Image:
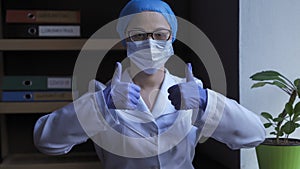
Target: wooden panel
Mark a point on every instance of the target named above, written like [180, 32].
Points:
[38, 161]
[30, 107]
[58, 44]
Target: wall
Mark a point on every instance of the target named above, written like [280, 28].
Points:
[269, 39]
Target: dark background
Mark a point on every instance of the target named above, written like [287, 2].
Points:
[217, 19]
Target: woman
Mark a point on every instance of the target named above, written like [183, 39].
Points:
[146, 117]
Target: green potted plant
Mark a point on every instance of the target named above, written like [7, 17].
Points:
[280, 151]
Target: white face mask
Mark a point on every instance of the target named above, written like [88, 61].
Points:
[149, 55]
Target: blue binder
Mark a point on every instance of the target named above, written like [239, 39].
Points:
[30, 96]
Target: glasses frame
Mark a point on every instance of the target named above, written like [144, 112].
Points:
[148, 33]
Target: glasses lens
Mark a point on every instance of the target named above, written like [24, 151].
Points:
[137, 35]
[161, 35]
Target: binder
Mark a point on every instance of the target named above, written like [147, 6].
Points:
[43, 16]
[36, 83]
[40, 31]
[31, 96]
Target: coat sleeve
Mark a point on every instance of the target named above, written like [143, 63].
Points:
[229, 122]
[56, 133]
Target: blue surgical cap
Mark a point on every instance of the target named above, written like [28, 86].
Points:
[137, 6]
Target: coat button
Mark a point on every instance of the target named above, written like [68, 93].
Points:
[152, 135]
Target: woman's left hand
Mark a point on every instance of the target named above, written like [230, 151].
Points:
[188, 95]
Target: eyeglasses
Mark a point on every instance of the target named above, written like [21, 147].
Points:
[139, 35]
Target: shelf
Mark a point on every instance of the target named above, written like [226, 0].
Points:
[82, 160]
[30, 107]
[58, 44]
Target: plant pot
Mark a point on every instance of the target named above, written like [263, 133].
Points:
[278, 156]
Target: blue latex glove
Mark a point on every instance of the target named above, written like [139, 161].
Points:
[121, 95]
[188, 95]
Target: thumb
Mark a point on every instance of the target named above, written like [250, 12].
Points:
[118, 73]
[189, 73]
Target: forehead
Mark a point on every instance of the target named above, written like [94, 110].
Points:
[148, 21]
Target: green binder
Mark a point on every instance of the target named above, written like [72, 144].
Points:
[35, 83]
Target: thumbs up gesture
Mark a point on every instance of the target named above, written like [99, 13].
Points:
[121, 95]
[188, 95]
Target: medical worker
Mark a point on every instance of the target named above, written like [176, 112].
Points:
[145, 117]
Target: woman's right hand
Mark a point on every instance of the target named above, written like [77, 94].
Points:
[121, 95]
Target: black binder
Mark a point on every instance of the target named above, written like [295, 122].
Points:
[41, 31]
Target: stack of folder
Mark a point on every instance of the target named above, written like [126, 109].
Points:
[36, 88]
[42, 24]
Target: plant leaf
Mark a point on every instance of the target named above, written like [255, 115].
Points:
[267, 115]
[274, 83]
[265, 75]
[278, 119]
[296, 112]
[267, 125]
[259, 84]
[270, 75]
[289, 127]
[297, 125]
[296, 119]
[297, 108]
[289, 109]
[273, 133]
[297, 82]
[278, 84]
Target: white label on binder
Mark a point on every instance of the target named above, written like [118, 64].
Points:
[59, 83]
[59, 31]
